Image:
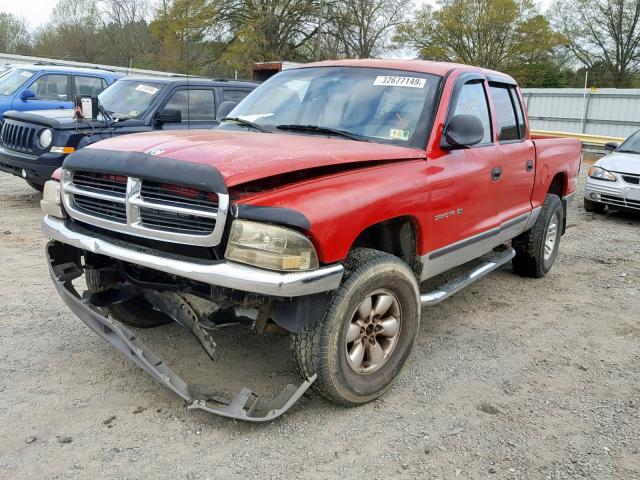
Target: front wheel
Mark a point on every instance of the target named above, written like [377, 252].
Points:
[537, 248]
[368, 332]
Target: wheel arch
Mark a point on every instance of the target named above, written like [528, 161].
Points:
[398, 236]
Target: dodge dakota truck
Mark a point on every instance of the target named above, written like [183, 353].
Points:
[317, 208]
[34, 144]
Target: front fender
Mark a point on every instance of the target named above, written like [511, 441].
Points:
[339, 207]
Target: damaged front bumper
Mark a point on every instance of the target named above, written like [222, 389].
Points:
[244, 405]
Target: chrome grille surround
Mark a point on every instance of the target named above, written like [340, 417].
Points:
[133, 203]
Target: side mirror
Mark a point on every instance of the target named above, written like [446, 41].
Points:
[462, 131]
[169, 115]
[27, 94]
[610, 146]
[224, 109]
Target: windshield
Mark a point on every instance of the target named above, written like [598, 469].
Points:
[373, 104]
[631, 144]
[128, 98]
[11, 81]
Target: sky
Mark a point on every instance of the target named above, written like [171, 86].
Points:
[35, 11]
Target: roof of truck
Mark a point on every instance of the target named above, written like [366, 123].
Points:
[422, 66]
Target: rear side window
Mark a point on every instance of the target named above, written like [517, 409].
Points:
[473, 101]
[234, 95]
[195, 105]
[522, 128]
[51, 87]
[510, 127]
[89, 85]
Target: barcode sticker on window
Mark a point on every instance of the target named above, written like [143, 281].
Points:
[147, 89]
[392, 81]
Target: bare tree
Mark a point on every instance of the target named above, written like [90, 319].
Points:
[14, 35]
[602, 34]
[363, 28]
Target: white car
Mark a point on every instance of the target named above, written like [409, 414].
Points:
[615, 179]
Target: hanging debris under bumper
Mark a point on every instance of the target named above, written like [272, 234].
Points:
[244, 405]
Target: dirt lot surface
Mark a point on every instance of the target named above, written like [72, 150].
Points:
[512, 378]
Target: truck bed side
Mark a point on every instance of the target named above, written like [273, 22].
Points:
[557, 159]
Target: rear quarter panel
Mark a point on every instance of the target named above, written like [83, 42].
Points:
[555, 156]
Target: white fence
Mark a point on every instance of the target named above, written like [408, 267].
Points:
[606, 111]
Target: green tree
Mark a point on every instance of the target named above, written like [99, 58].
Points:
[498, 34]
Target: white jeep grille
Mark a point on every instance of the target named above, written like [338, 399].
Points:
[146, 208]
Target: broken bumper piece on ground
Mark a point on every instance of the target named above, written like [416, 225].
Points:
[244, 405]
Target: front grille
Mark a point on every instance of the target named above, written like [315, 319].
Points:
[17, 137]
[105, 209]
[101, 182]
[176, 222]
[619, 202]
[632, 179]
[180, 196]
[150, 209]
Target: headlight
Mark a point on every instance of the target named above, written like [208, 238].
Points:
[45, 138]
[271, 247]
[601, 174]
[50, 203]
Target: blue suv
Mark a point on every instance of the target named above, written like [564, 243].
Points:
[46, 87]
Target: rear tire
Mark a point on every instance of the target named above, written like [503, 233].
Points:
[376, 313]
[537, 248]
[594, 207]
[136, 312]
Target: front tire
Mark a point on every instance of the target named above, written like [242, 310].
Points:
[594, 207]
[136, 312]
[537, 248]
[368, 332]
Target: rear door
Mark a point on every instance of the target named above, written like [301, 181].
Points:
[88, 85]
[197, 105]
[517, 154]
[52, 90]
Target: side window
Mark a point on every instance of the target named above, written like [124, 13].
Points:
[51, 87]
[473, 101]
[505, 113]
[88, 85]
[234, 95]
[195, 105]
[522, 128]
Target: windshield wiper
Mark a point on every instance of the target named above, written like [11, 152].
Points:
[248, 123]
[319, 129]
[627, 151]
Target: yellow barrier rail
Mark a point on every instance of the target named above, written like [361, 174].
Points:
[586, 139]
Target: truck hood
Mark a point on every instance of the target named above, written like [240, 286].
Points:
[621, 162]
[246, 156]
[60, 119]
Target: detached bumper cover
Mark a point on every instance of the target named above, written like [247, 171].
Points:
[223, 274]
[243, 405]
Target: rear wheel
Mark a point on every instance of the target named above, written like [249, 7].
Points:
[537, 248]
[595, 207]
[368, 332]
[136, 312]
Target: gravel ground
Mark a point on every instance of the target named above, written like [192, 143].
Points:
[512, 378]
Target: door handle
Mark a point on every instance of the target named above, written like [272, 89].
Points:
[496, 173]
[529, 165]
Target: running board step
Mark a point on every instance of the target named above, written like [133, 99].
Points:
[491, 261]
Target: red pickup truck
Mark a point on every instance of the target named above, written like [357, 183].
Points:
[317, 208]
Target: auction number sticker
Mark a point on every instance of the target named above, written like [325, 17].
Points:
[393, 81]
[147, 89]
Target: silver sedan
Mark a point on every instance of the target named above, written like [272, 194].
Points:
[615, 179]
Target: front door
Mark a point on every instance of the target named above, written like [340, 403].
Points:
[462, 207]
[197, 105]
[52, 90]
